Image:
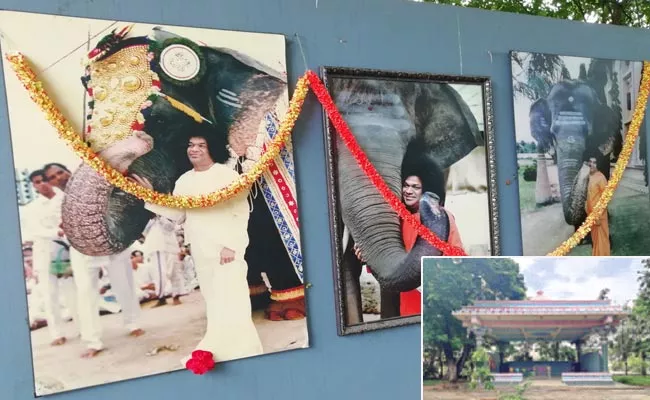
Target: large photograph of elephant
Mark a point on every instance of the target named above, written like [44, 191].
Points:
[119, 288]
[572, 115]
[431, 139]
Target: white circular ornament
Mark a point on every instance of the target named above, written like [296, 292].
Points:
[180, 62]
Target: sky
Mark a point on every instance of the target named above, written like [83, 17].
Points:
[581, 278]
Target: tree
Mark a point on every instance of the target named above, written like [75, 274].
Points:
[625, 341]
[635, 13]
[449, 285]
[641, 315]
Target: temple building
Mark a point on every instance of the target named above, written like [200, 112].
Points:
[544, 320]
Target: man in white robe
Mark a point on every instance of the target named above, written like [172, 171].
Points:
[219, 237]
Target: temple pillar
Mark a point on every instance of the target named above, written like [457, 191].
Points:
[501, 350]
[578, 344]
[603, 350]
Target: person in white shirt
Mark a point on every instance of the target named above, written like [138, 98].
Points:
[43, 229]
[219, 238]
[86, 277]
[144, 277]
[161, 250]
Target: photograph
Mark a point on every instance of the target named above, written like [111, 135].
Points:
[535, 328]
[572, 116]
[117, 287]
[431, 140]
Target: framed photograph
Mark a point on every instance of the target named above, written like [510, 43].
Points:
[431, 139]
[118, 288]
[572, 115]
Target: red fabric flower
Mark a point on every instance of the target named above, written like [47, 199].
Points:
[201, 362]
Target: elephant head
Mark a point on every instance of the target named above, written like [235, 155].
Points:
[148, 95]
[573, 123]
[405, 128]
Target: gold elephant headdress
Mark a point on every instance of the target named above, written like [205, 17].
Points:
[122, 80]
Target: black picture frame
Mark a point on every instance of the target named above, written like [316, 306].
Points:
[328, 73]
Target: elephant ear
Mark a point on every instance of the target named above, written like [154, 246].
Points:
[240, 92]
[540, 125]
[444, 123]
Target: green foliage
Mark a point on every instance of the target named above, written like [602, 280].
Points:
[555, 351]
[635, 13]
[449, 284]
[633, 380]
[520, 390]
[526, 147]
[481, 373]
[530, 173]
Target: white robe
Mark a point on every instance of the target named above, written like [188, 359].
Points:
[231, 333]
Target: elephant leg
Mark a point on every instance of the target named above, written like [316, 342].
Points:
[266, 253]
[351, 273]
[389, 304]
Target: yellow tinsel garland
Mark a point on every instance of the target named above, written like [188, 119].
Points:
[38, 94]
[621, 164]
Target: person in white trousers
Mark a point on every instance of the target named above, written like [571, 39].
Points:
[161, 250]
[43, 228]
[86, 274]
[85, 271]
[219, 237]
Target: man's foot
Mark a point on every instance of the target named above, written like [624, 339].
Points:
[161, 302]
[90, 353]
[38, 324]
[136, 332]
[177, 301]
[58, 342]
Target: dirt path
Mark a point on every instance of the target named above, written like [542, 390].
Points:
[618, 392]
[61, 368]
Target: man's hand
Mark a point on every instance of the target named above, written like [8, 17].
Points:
[227, 255]
[357, 252]
[144, 182]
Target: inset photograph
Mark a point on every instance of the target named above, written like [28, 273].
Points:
[535, 328]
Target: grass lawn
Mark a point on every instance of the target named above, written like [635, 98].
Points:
[432, 382]
[633, 380]
[628, 227]
[526, 193]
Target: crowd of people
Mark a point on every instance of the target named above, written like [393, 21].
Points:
[63, 284]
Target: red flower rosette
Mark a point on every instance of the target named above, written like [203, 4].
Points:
[201, 362]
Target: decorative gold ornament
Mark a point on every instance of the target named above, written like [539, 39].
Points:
[126, 88]
[38, 94]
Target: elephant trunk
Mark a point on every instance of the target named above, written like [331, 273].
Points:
[571, 132]
[99, 219]
[376, 228]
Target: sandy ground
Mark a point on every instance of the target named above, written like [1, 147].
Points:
[548, 390]
[61, 368]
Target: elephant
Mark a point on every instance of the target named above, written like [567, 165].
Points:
[149, 95]
[574, 123]
[395, 123]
